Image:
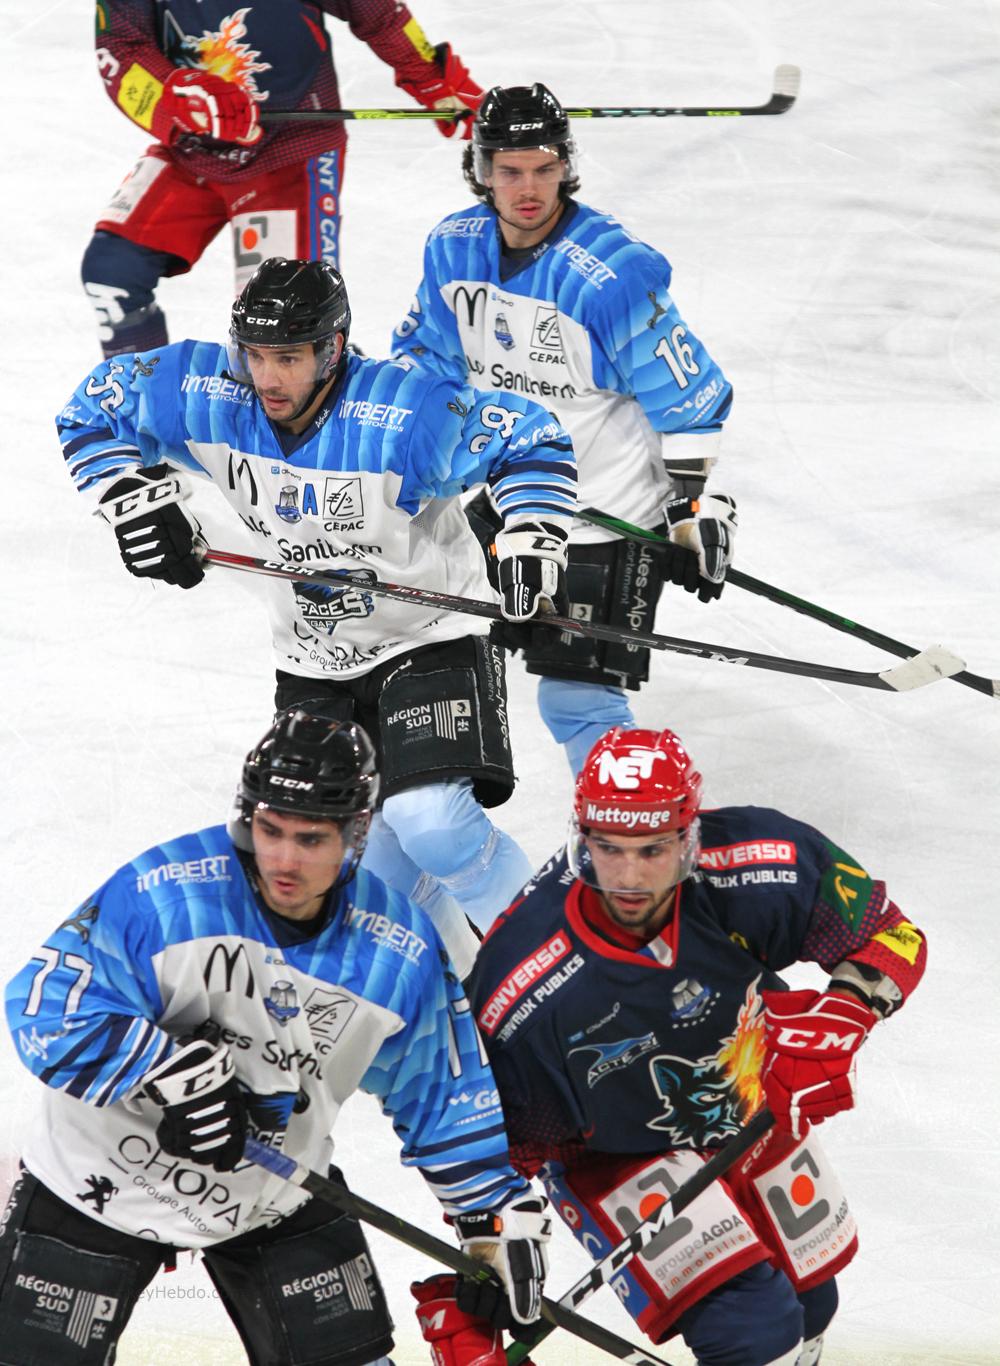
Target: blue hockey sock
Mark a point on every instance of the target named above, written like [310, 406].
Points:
[578, 714]
[445, 831]
[385, 858]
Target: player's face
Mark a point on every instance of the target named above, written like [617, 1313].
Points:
[298, 859]
[525, 189]
[636, 875]
[284, 377]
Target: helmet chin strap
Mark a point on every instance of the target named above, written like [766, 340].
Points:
[311, 397]
[320, 384]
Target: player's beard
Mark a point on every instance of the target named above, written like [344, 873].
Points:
[643, 922]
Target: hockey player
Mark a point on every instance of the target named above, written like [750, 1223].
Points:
[533, 292]
[197, 75]
[338, 461]
[633, 1011]
[245, 980]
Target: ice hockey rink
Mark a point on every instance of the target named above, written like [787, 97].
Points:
[842, 264]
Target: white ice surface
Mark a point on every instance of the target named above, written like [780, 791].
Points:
[843, 264]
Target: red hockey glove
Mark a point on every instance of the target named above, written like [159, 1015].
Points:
[196, 101]
[811, 1039]
[448, 87]
[456, 1338]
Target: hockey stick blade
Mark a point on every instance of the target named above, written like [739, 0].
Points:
[323, 1188]
[787, 79]
[449, 602]
[602, 1272]
[978, 682]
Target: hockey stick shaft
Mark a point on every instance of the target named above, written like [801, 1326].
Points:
[338, 1195]
[925, 668]
[602, 1272]
[783, 95]
[990, 686]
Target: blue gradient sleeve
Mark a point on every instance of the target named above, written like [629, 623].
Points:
[139, 410]
[435, 1084]
[643, 347]
[467, 436]
[81, 1011]
[427, 337]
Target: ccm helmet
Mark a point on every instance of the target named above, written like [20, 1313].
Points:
[518, 118]
[636, 782]
[310, 766]
[285, 303]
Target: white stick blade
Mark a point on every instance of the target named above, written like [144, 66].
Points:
[927, 667]
[787, 79]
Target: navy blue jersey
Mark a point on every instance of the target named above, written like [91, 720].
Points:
[600, 1041]
[279, 52]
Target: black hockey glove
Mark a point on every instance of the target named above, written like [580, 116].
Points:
[531, 570]
[157, 538]
[511, 1241]
[702, 533]
[204, 1114]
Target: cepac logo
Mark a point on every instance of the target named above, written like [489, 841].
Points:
[627, 771]
[342, 499]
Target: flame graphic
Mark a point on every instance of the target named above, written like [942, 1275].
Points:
[742, 1055]
[224, 55]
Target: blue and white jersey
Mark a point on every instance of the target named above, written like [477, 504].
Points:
[585, 325]
[370, 486]
[176, 938]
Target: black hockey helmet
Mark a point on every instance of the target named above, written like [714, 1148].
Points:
[286, 303]
[309, 765]
[518, 118]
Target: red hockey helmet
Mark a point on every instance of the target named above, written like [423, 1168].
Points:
[636, 782]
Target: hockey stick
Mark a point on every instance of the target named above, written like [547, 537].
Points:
[602, 1272]
[343, 1199]
[926, 667]
[990, 686]
[783, 95]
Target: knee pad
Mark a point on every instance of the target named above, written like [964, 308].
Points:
[577, 714]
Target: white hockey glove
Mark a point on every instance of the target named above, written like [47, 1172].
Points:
[702, 533]
[531, 569]
[204, 1114]
[511, 1241]
[157, 538]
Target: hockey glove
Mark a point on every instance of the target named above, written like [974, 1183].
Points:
[157, 538]
[702, 532]
[456, 1338]
[811, 1040]
[447, 85]
[531, 569]
[197, 101]
[511, 1241]
[204, 1115]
